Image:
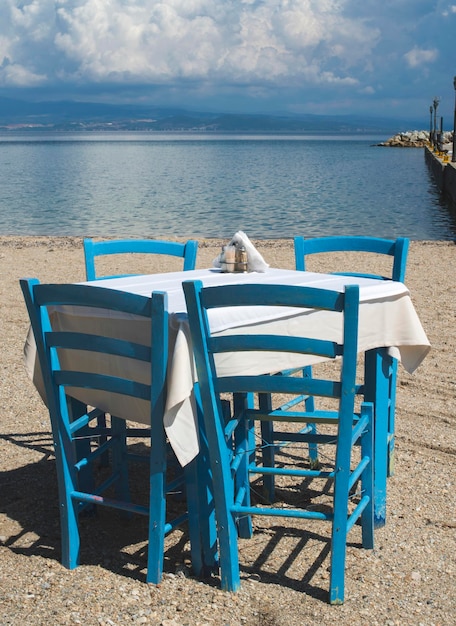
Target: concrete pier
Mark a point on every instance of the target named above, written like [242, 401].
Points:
[444, 173]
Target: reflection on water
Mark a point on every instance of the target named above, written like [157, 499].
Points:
[169, 185]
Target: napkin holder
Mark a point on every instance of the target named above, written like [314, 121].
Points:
[240, 256]
[233, 259]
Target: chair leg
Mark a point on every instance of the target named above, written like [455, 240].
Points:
[309, 403]
[70, 534]
[376, 389]
[367, 479]
[267, 446]
[69, 508]
[119, 459]
[221, 495]
[338, 555]
[340, 519]
[195, 521]
[244, 440]
[201, 492]
[227, 530]
[391, 418]
[157, 506]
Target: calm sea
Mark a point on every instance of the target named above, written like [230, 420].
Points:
[131, 184]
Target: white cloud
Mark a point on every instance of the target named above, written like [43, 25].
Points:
[418, 57]
[331, 79]
[451, 9]
[159, 41]
[13, 74]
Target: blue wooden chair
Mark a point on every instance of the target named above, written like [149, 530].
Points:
[77, 435]
[397, 249]
[231, 446]
[92, 249]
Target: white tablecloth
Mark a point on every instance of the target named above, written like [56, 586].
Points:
[387, 319]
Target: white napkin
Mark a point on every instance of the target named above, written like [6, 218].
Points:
[255, 262]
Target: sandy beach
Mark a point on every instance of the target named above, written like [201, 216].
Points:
[408, 579]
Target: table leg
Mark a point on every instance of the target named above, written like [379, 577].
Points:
[376, 389]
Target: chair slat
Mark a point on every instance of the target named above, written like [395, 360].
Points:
[86, 296]
[102, 382]
[397, 249]
[95, 343]
[272, 343]
[93, 249]
[279, 384]
[277, 296]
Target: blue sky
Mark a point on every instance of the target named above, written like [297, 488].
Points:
[384, 58]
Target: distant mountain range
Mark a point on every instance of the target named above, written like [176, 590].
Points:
[85, 116]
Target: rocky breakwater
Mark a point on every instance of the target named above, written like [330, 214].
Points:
[409, 139]
[415, 139]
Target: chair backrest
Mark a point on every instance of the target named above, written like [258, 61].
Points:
[56, 348]
[201, 301]
[397, 249]
[187, 251]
